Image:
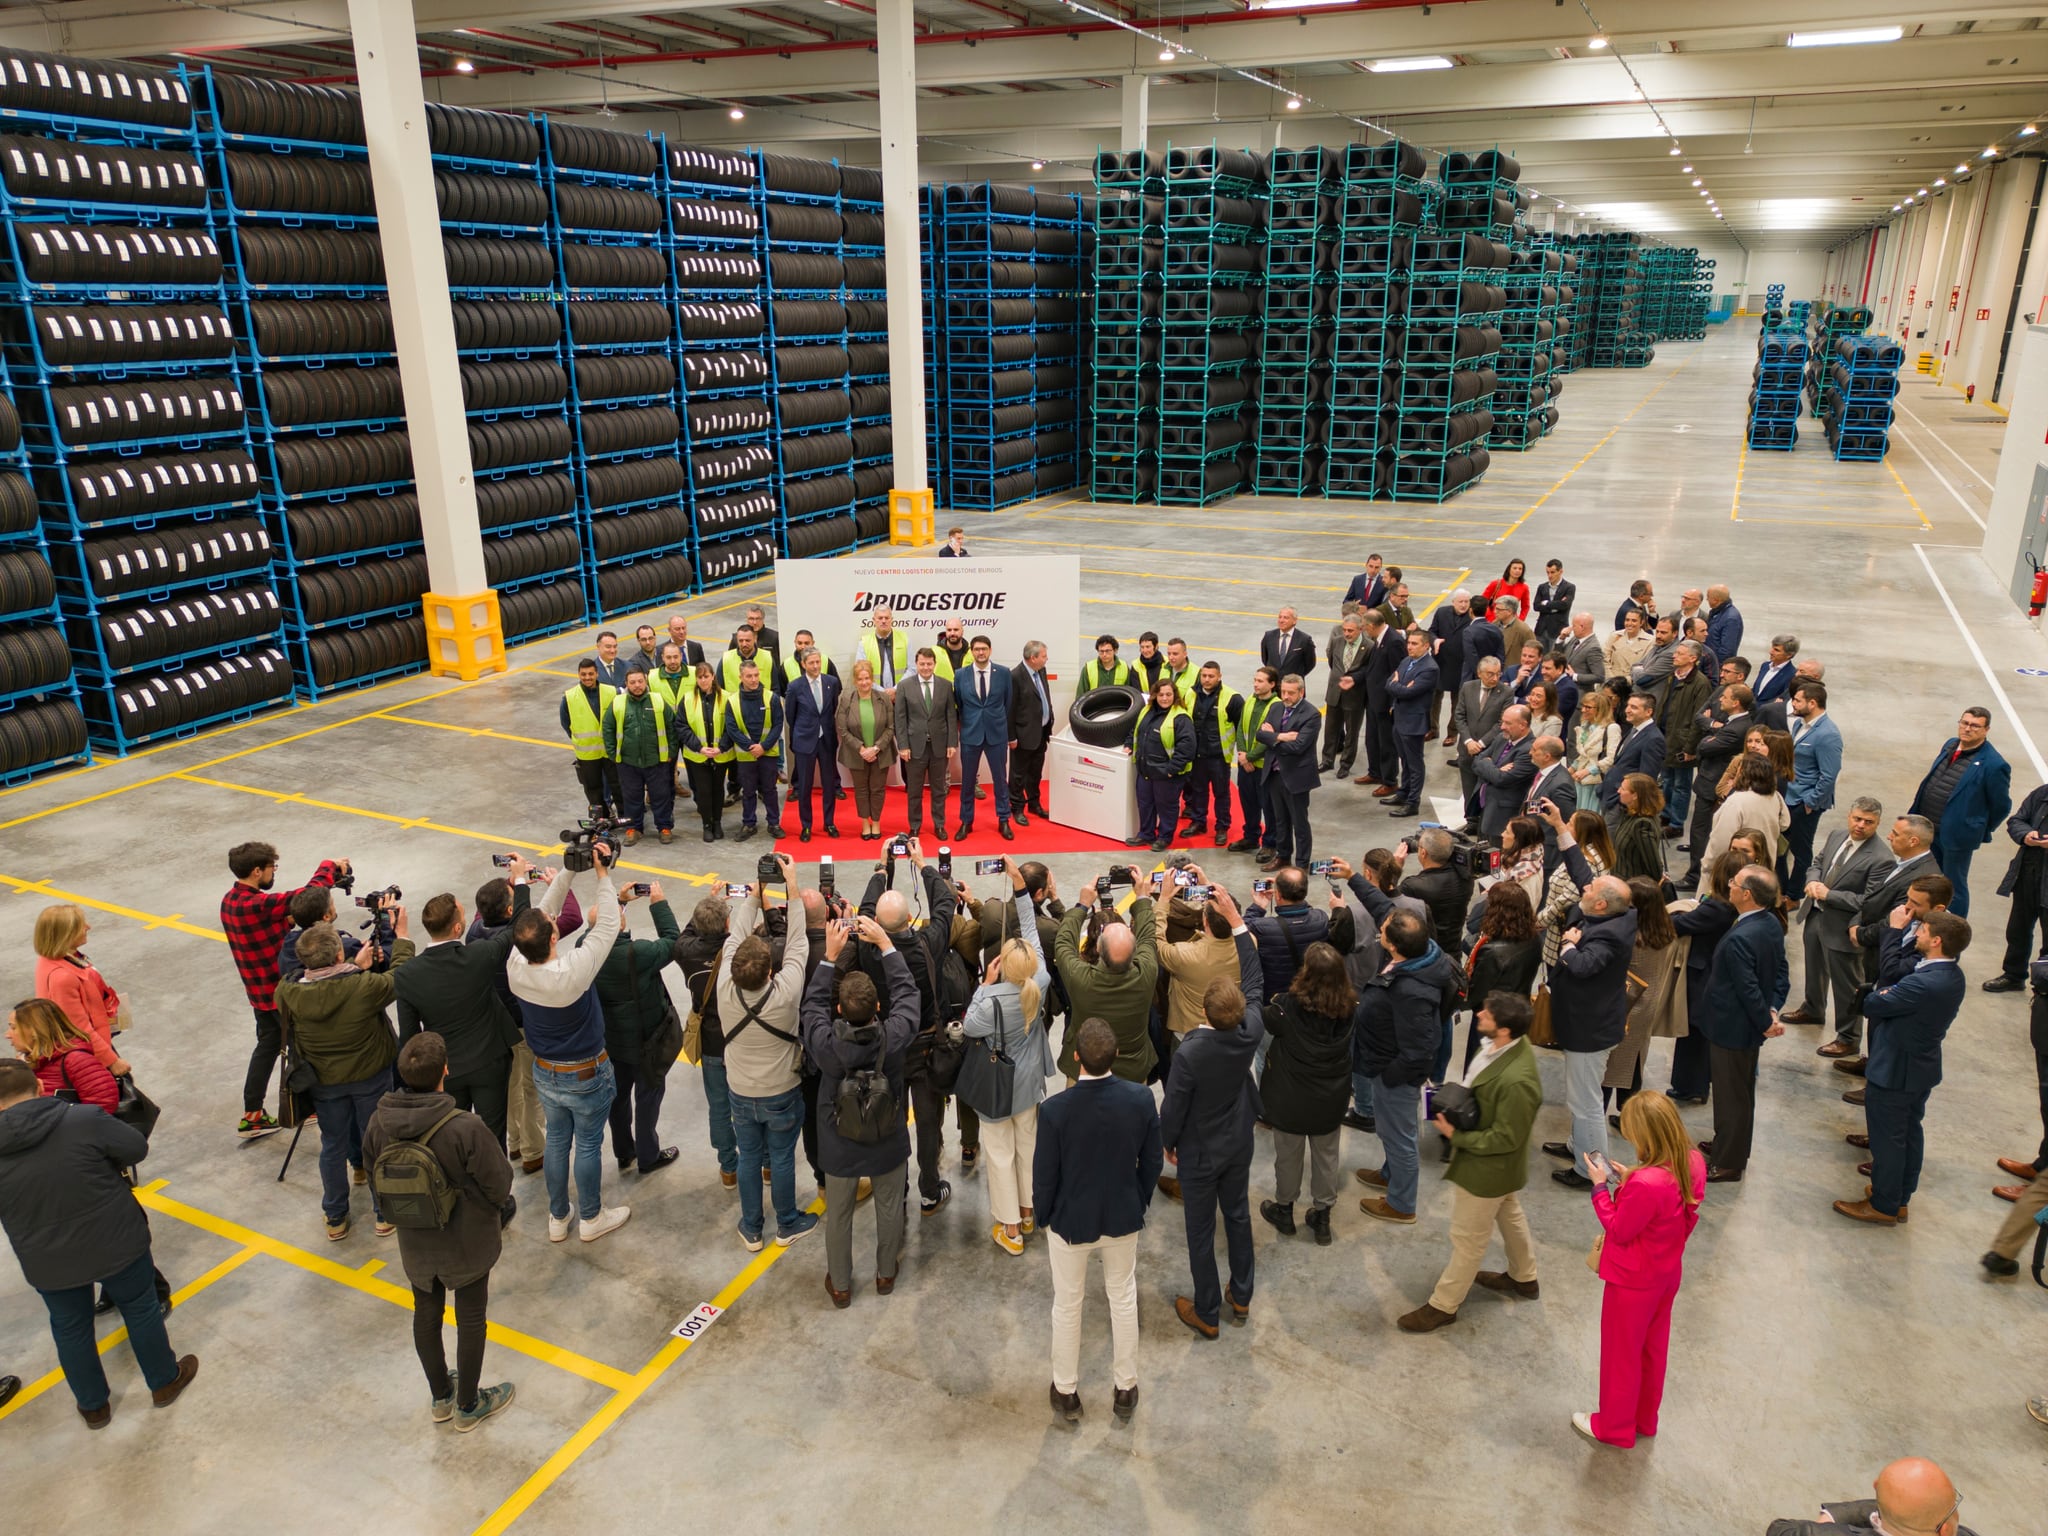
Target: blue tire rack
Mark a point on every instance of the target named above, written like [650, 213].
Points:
[1298, 327]
[42, 723]
[867, 365]
[1774, 394]
[1125, 340]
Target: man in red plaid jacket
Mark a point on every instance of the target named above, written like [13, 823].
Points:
[255, 919]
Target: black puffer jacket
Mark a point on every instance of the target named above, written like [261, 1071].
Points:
[1400, 1018]
[1307, 1085]
[67, 1208]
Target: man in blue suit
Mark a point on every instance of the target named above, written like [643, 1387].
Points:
[1739, 1011]
[1093, 1173]
[1724, 624]
[1908, 1020]
[1410, 689]
[1774, 679]
[981, 694]
[1288, 735]
[1967, 794]
[1368, 588]
[1816, 764]
[1641, 751]
[809, 703]
[1206, 1129]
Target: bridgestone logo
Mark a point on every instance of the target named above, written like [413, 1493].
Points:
[926, 602]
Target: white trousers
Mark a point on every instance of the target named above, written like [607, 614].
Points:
[1007, 1147]
[1069, 1280]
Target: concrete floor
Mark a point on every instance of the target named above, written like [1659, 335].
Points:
[1807, 1351]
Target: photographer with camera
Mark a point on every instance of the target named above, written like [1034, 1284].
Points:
[1489, 1162]
[457, 991]
[309, 907]
[1116, 985]
[641, 1033]
[256, 920]
[340, 1037]
[449, 1227]
[572, 1075]
[858, 1050]
[760, 1007]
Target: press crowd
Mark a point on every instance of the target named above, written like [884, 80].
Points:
[1125, 1043]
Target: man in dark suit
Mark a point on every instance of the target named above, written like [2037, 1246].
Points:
[679, 634]
[1912, 844]
[1288, 647]
[981, 693]
[1745, 990]
[927, 740]
[1475, 715]
[1774, 679]
[455, 990]
[1031, 727]
[792, 669]
[1092, 1175]
[1206, 1128]
[1552, 603]
[1852, 857]
[1501, 764]
[1289, 738]
[1908, 1021]
[1483, 638]
[1553, 782]
[1718, 736]
[1368, 588]
[1387, 646]
[1409, 692]
[1967, 794]
[810, 703]
[1641, 751]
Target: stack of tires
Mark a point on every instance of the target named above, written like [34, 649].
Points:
[40, 721]
[807, 325]
[867, 354]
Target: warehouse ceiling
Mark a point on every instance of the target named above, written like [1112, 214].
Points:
[1793, 144]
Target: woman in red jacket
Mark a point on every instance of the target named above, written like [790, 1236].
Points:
[1646, 1221]
[68, 979]
[1513, 583]
[60, 1053]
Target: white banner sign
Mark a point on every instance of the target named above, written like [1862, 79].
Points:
[1009, 599]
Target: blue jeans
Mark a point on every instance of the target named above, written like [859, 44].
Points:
[579, 1108]
[1396, 1110]
[133, 1290]
[1677, 788]
[771, 1125]
[1955, 863]
[344, 1110]
[720, 1103]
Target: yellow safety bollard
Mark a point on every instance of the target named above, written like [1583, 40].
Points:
[913, 519]
[465, 635]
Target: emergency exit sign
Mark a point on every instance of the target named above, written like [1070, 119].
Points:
[1983, 314]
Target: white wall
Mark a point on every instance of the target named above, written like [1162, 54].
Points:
[1799, 270]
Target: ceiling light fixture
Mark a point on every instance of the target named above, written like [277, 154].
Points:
[1596, 42]
[1038, 165]
[464, 67]
[1696, 181]
[1166, 55]
[736, 114]
[1990, 152]
[1685, 170]
[1845, 35]
[1940, 181]
[1403, 66]
[1294, 103]
[2029, 131]
[1676, 150]
[1963, 169]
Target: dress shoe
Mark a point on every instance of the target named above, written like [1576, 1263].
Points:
[1799, 1016]
[840, 1299]
[1020, 818]
[830, 830]
[1863, 1169]
[1067, 1405]
[1425, 1319]
[1278, 1216]
[1614, 1122]
[1403, 810]
[1363, 778]
[1706, 1147]
[1193, 828]
[1905, 1211]
[167, 1394]
[2009, 1192]
[1125, 1403]
[1499, 1280]
[1240, 1311]
[1689, 1098]
[1385, 790]
[1858, 1139]
[1326, 767]
[1571, 1178]
[1003, 831]
[1242, 845]
[1184, 1309]
[666, 1156]
[2005, 984]
[1162, 845]
[1835, 1048]
[530, 1165]
[885, 1284]
[1999, 1264]
[1169, 1186]
[1371, 1178]
[1863, 1210]
[1672, 834]
[1359, 1122]
[1854, 1068]
[97, 1418]
[1220, 839]
[1137, 842]
[2024, 1172]
[1853, 1096]
[1560, 1149]
[1723, 1176]
[804, 835]
[1383, 1211]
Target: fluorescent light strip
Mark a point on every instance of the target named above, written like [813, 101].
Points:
[1845, 36]
[1404, 66]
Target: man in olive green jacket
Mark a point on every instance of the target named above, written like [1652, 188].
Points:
[1114, 985]
[1489, 1166]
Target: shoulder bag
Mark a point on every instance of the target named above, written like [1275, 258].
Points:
[987, 1083]
[1541, 1031]
[693, 1032]
[134, 1107]
[660, 1045]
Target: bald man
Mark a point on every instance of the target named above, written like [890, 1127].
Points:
[1914, 1498]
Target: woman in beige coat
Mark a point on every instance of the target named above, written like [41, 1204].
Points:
[1659, 1012]
[867, 746]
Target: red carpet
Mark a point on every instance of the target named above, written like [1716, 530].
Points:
[1040, 838]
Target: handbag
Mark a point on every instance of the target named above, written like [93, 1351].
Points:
[136, 1108]
[988, 1075]
[1457, 1104]
[693, 1032]
[1541, 1031]
[1634, 988]
[660, 1046]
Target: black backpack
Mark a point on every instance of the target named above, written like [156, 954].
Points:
[412, 1188]
[864, 1110]
[956, 987]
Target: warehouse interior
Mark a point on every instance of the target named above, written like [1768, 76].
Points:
[365, 360]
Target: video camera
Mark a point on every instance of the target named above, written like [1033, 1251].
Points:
[577, 854]
[379, 904]
[1120, 874]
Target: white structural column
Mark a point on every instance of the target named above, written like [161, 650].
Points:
[895, 60]
[409, 228]
[2017, 527]
[1137, 110]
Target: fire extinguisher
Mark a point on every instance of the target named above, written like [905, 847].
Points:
[2039, 599]
[1969, 394]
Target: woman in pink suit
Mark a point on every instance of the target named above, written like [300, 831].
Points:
[1646, 1220]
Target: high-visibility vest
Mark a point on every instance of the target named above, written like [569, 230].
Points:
[1255, 711]
[1183, 680]
[901, 657]
[1226, 728]
[770, 705]
[729, 668]
[705, 726]
[1165, 729]
[1092, 676]
[586, 729]
[672, 690]
[662, 716]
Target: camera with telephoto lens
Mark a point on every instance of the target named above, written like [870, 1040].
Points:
[577, 855]
[768, 871]
[379, 904]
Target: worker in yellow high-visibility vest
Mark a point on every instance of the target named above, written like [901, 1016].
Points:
[699, 719]
[583, 709]
[893, 654]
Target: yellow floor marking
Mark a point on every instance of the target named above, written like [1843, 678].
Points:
[1443, 596]
[627, 1395]
[476, 730]
[1908, 494]
[383, 1290]
[43, 1383]
[148, 919]
[1535, 505]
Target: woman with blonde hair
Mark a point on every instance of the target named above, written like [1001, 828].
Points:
[867, 746]
[1645, 1218]
[60, 1053]
[68, 979]
[1007, 1010]
[1598, 739]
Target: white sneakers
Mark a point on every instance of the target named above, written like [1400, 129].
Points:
[608, 1219]
[558, 1227]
